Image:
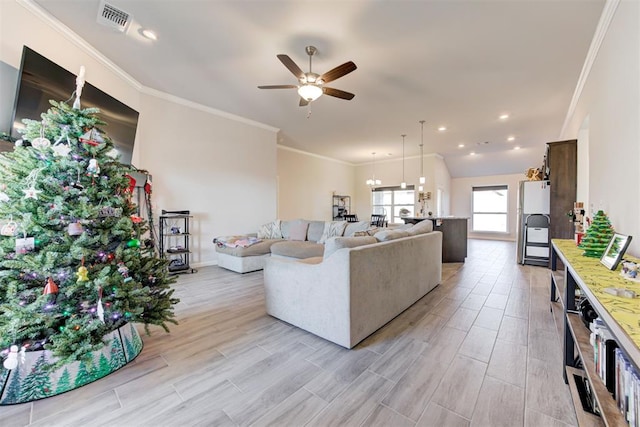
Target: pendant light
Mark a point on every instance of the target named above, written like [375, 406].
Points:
[403, 184]
[373, 181]
[422, 178]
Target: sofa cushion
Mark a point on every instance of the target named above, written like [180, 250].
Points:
[332, 229]
[314, 233]
[296, 249]
[386, 235]
[425, 226]
[298, 230]
[270, 230]
[352, 227]
[335, 243]
[261, 248]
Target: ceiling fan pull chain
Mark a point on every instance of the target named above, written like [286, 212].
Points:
[309, 111]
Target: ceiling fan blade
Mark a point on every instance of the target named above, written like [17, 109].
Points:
[278, 87]
[337, 93]
[303, 102]
[339, 71]
[288, 62]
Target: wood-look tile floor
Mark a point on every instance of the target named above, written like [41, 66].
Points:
[479, 350]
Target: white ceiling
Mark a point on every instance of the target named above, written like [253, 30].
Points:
[454, 63]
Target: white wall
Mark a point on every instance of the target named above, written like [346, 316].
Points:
[611, 101]
[306, 183]
[220, 167]
[461, 190]
[223, 171]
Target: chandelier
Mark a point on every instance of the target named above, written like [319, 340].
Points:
[371, 182]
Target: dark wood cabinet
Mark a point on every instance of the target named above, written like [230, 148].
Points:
[561, 168]
[454, 236]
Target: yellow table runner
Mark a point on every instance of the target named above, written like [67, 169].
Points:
[625, 311]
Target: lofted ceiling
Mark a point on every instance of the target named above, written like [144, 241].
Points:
[459, 64]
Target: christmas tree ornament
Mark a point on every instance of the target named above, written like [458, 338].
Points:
[108, 211]
[100, 308]
[50, 287]
[11, 362]
[132, 183]
[83, 274]
[61, 150]
[124, 271]
[136, 219]
[133, 243]
[9, 229]
[4, 197]
[41, 142]
[19, 143]
[30, 181]
[75, 229]
[92, 137]
[79, 85]
[93, 169]
[25, 245]
[147, 186]
[31, 193]
[113, 153]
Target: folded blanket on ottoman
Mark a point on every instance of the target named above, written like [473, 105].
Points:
[236, 241]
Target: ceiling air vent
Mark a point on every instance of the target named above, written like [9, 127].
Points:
[113, 17]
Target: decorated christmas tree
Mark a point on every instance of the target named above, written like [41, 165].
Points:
[74, 261]
[598, 235]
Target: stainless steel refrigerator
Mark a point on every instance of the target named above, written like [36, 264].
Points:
[533, 222]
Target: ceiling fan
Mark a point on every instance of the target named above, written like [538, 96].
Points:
[311, 84]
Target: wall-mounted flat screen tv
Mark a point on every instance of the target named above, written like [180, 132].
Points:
[41, 80]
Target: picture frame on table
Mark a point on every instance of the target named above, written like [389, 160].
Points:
[615, 250]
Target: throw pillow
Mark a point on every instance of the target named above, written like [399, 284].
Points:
[270, 230]
[386, 235]
[335, 243]
[425, 226]
[298, 231]
[332, 229]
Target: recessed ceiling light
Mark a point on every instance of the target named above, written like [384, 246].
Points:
[517, 147]
[504, 117]
[511, 138]
[460, 145]
[442, 128]
[149, 34]
[473, 153]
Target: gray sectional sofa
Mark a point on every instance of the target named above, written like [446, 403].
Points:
[252, 258]
[350, 292]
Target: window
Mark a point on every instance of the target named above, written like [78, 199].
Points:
[490, 208]
[393, 201]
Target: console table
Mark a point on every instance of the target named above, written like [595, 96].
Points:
[621, 316]
[454, 236]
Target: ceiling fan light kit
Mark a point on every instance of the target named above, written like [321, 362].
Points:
[311, 85]
[310, 92]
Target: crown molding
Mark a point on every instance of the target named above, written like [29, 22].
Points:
[196, 106]
[74, 38]
[601, 31]
[317, 156]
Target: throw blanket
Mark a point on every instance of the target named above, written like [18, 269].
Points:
[236, 241]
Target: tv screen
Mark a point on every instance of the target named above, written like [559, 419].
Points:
[41, 80]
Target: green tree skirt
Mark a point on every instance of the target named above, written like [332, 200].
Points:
[32, 381]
